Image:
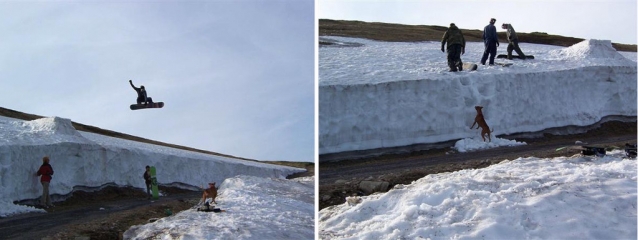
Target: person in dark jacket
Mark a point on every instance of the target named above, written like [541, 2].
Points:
[45, 171]
[455, 47]
[491, 42]
[142, 97]
[513, 42]
[147, 179]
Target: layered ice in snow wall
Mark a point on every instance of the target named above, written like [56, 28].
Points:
[93, 160]
[396, 94]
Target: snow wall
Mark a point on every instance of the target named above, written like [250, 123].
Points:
[401, 113]
[92, 160]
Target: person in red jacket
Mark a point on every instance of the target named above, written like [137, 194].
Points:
[45, 171]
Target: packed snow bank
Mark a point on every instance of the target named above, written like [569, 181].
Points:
[601, 49]
[92, 160]
[256, 208]
[527, 198]
[8, 208]
[397, 94]
[39, 132]
[477, 143]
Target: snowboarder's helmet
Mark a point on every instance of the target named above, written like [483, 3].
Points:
[142, 87]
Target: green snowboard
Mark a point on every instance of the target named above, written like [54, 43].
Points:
[154, 184]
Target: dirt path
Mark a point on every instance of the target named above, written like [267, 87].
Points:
[98, 215]
[340, 179]
[105, 214]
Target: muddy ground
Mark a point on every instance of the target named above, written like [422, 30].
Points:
[104, 214]
[339, 179]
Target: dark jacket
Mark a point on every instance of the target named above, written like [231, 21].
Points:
[453, 36]
[489, 34]
[46, 171]
[141, 93]
[147, 177]
[511, 34]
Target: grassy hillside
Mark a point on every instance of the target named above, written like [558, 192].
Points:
[417, 33]
[86, 128]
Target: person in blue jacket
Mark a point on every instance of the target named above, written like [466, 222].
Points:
[491, 42]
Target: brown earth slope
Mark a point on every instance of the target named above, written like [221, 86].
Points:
[416, 33]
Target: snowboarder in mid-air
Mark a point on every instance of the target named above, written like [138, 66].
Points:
[143, 101]
[142, 98]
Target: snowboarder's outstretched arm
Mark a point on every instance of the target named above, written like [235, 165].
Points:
[131, 82]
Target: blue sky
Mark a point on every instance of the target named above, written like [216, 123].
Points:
[613, 20]
[237, 77]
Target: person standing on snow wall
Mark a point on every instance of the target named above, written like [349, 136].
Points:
[45, 171]
[147, 179]
[491, 42]
[455, 47]
[513, 42]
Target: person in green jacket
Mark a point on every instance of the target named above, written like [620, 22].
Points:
[513, 42]
[455, 47]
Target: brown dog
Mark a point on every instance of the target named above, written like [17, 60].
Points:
[480, 120]
[210, 192]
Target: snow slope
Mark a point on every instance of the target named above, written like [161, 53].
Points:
[527, 198]
[82, 159]
[256, 208]
[396, 94]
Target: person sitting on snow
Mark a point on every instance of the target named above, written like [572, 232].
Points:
[209, 208]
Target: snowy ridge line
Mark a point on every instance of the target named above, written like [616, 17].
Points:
[39, 132]
[402, 113]
[378, 62]
[12, 115]
[464, 76]
[93, 160]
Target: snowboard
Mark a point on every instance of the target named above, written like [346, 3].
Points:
[515, 56]
[469, 67]
[586, 150]
[142, 106]
[503, 64]
[593, 151]
[154, 189]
